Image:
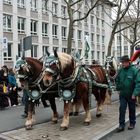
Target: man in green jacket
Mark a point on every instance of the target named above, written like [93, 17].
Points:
[128, 86]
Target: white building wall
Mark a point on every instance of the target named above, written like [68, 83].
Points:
[50, 41]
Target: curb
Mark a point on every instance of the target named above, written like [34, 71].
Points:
[112, 129]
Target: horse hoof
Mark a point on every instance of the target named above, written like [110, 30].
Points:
[98, 115]
[76, 113]
[29, 127]
[71, 114]
[54, 122]
[63, 128]
[86, 123]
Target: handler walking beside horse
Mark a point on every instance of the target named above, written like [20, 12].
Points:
[128, 85]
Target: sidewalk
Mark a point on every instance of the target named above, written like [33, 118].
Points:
[98, 128]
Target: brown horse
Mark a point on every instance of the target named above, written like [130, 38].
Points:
[29, 70]
[75, 83]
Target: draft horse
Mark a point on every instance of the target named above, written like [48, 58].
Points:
[29, 71]
[75, 82]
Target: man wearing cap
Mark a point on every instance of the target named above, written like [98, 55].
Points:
[128, 86]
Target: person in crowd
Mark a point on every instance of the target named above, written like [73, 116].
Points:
[4, 75]
[12, 87]
[25, 102]
[128, 87]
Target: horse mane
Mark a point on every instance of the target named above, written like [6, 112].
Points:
[65, 59]
[114, 61]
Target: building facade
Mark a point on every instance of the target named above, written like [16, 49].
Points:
[39, 19]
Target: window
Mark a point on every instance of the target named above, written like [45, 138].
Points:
[92, 55]
[54, 31]
[92, 20]
[7, 22]
[103, 24]
[7, 1]
[97, 22]
[85, 20]
[54, 8]
[79, 34]
[63, 11]
[92, 37]
[103, 39]
[98, 39]
[33, 27]
[64, 50]
[44, 6]
[8, 54]
[45, 50]
[73, 34]
[21, 3]
[98, 55]
[21, 25]
[64, 32]
[34, 51]
[44, 29]
[34, 5]
[19, 50]
[79, 14]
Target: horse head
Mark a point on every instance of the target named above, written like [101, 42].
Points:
[111, 65]
[57, 66]
[28, 70]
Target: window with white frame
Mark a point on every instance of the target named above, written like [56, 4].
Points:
[79, 32]
[44, 29]
[103, 39]
[64, 50]
[98, 39]
[92, 20]
[54, 8]
[45, 49]
[79, 14]
[21, 3]
[92, 55]
[34, 51]
[64, 30]
[92, 37]
[103, 23]
[63, 11]
[7, 1]
[55, 31]
[44, 6]
[98, 55]
[8, 54]
[97, 22]
[21, 25]
[85, 20]
[34, 5]
[7, 22]
[33, 27]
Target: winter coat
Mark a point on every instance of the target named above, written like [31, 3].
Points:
[128, 81]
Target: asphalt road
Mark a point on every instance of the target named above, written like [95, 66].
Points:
[10, 118]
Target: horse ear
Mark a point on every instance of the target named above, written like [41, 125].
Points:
[23, 57]
[55, 53]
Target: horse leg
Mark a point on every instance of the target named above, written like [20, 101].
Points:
[65, 121]
[53, 107]
[30, 118]
[100, 102]
[87, 110]
[77, 107]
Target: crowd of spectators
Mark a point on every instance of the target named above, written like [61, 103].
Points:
[8, 87]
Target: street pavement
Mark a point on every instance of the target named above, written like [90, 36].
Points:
[98, 128]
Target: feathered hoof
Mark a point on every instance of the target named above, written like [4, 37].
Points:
[54, 122]
[98, 115]
[76, 113]
[63, 128]
[29, 127]
[71, 114]
[86, 123]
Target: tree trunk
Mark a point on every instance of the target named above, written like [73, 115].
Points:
[70, 33]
